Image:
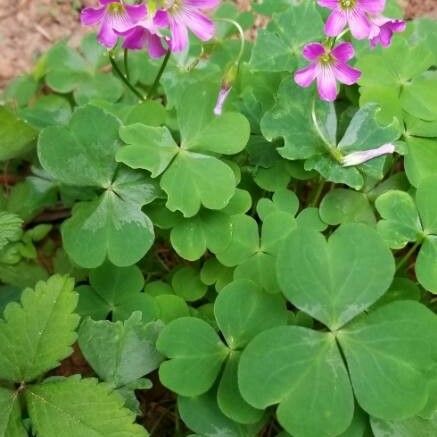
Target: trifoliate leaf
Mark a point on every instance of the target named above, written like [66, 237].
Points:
[37, 333]
[120, 353]
[56, 408]
[116, 291]
[421, 159]
[400, 222]
[196, 356]
[112, 226]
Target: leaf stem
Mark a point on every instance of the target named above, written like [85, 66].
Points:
[317, 193]
[124, 78]
[330, 148]
[407, 256]
[126, 63]
[152, 90]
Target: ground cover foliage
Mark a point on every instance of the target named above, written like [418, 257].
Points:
[195, 239]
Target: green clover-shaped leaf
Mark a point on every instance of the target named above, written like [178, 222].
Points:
[116, 291]
[192, 175]
[278, 47]
[387, 75]
[242, 310]
[335, 280]
[120, 353]
[303, 371]
[67, 70]
[405, 220]
[312, 135]
[113, 225]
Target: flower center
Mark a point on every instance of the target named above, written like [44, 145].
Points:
[347, 4]
[173, 6]
[115, 8]
[326, 58]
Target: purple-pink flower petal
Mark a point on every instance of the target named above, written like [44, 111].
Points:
[359, 24]
[92, 16]
[199, 24]
[179, 36]
[313, 51]
[203, 4]
[335, 23]
[327, 84]
[371, 6]
[221, 99]
[305, 76]
[346, 74]
[343, 52]
[358, 158]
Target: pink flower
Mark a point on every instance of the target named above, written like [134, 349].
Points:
[184, 15]
[146, 34]
[114, 17]
[353, 13]
[358, 158]
[221, 98]
[383, 29]
[327, 66]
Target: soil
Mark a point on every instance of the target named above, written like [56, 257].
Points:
[29, 27]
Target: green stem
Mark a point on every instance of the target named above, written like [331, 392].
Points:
[124, 78]
[318, 193]
[241, 35]
[152, 90]
[126, 63]
[407, 256]
[330, 148]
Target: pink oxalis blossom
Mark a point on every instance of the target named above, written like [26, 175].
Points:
[383, 28]
[327, 66]
[354, 13]
[114, 17]
[185, 15]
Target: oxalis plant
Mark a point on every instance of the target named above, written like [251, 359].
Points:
[220, 223]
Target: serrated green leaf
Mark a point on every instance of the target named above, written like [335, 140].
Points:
[56, 408]
[10, 415]
[10, 228]
[37, 333]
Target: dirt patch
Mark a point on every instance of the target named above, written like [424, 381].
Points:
[29, 27]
